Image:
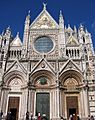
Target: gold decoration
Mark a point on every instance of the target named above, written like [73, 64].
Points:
[44, 22]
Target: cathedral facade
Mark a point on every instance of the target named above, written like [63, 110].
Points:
[52, 71]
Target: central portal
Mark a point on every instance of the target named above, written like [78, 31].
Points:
[43, 104]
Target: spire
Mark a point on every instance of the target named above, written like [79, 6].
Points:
[61, 20]
[2, 33]
[17, 36]
[28, 16]
[86, 31]
[44, 6]
[26, 30]
[27, 21]
[68, 25]
[81, 28]
[75, 29]
[7, 32]
[8, 28]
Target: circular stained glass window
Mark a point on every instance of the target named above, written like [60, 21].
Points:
[43, 44]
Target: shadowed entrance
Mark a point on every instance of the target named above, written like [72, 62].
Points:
[72, 106]
[13, 107]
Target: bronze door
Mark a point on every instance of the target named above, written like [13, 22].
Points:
[72, 106]
[43, 104]
[13, 107]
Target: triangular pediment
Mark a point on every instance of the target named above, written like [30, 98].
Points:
[44, 21]
[70, 65]
[42, 65]
[16, 42]
[72, 41]
[16, 66]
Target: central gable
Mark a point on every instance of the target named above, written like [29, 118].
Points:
[44, 21]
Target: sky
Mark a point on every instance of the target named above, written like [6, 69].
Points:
[75, 12]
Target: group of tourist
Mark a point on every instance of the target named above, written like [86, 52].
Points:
[39, 117]
[29, 116]
[6, 117]
[91, 117]
[74, 117]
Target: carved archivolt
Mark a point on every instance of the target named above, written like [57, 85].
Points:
[71, 83]
[15, 84]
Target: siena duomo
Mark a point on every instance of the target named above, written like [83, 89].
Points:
[52, 71]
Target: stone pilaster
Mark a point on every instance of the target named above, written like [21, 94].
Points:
[85, 102]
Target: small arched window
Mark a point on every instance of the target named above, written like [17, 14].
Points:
[83, 39]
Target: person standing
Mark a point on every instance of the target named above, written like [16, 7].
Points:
[31, 116]
[27, 115]
[78, 118]
[71, 117]
[44, 117]
[92, 118]
[9, 117]
[39, 116]
[1, 114]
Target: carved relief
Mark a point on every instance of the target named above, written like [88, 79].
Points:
[71, 83]
[44, 22]
[15, 84]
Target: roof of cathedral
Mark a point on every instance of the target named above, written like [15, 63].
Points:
[16, 41]
[44, 20]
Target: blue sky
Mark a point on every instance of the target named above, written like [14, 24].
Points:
[13, 13]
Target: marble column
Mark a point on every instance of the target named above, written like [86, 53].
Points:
[31, 101]
[85, 101]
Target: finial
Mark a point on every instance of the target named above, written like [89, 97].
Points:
[17, 33]
[29, 12]
[2, 33]
[28, 16]
[86, 30]
[68, 25]
[81, 25]
[8, 28]
[60, 12]
[44, 4]
[61, 20]
[75, 29]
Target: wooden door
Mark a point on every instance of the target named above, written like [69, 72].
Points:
[72, 106]
[13, 107]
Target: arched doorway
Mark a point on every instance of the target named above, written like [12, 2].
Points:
[71, 97]
[43, 103]
[14, 81]
[70, 93]
[43, 82]
[42, 96]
